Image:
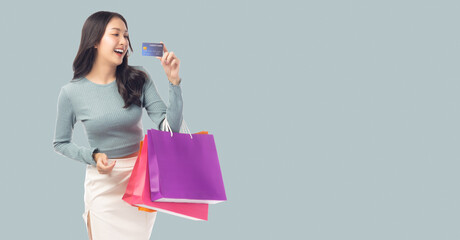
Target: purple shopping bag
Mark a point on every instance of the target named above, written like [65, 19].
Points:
[184, 168]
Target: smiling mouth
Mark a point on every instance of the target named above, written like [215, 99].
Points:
[118, 53]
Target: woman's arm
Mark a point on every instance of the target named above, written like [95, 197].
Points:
[65, 122]
[156, 108]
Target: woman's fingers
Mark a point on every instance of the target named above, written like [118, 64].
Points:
[174, 62]
[103, 165]
[110, 167]
[107, 169]
[170, 63]
[170, 57]
[165, 58]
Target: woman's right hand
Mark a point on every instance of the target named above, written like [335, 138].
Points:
[102, 164]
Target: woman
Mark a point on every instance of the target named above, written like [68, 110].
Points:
[107, 96]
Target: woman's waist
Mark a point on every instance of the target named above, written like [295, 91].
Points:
[123, 162]
[126, 151]
[134, 154]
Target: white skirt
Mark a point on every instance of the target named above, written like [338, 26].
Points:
[112, 218]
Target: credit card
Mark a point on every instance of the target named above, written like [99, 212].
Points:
[152, 49]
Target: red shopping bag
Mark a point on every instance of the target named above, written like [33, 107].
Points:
[138, 193]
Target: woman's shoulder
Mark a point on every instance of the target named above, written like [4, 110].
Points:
[72, 87]
[73, 83]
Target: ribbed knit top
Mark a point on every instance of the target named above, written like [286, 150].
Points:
[110, 128]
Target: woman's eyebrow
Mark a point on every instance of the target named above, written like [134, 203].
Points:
[119, 29]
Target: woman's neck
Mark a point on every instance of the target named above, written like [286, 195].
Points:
[102, 73]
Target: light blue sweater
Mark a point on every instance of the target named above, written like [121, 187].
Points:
[111, 129]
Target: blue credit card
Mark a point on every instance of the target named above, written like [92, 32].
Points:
[152, 49]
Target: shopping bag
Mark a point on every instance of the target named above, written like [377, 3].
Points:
[184, 168]
[138, 193]
[143, 208]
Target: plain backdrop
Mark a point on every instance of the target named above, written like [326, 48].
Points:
[332, 119]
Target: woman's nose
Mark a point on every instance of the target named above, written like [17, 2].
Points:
[124, 41]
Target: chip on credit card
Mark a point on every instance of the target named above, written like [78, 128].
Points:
[152, 49]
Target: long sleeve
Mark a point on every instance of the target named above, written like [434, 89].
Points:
[65, 122]
[156, 108]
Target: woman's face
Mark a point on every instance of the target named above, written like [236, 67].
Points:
[115, 37]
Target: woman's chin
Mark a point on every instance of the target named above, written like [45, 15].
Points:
[117, 62]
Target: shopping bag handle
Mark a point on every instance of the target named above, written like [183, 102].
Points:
[183, 128]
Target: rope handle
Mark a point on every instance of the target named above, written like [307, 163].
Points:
[183, 129]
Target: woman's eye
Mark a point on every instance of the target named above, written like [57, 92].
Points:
[116, 34]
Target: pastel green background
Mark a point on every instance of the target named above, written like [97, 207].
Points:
[332, 119]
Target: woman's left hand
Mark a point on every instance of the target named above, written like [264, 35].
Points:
[170, 63]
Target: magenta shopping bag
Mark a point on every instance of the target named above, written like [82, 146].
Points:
[138, 192]
[184, 168]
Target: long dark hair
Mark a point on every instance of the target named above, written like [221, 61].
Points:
[130, 81]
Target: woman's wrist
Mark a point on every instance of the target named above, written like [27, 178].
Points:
[94, 156]
[175, 81]
[95, 151]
